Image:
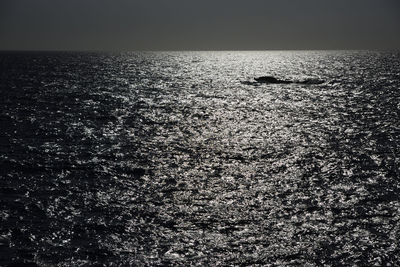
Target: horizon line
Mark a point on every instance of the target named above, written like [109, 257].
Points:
[196, 50]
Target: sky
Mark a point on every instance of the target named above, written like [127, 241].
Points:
[122, 25]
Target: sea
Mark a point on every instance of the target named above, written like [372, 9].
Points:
[183, 158]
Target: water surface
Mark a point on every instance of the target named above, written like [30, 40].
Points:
[172, 158]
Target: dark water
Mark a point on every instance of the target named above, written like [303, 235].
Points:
[172, 158]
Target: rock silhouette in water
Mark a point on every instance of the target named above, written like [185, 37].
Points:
[273, 80]
[270, 79]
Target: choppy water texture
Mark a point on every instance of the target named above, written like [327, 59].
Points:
[173, 158]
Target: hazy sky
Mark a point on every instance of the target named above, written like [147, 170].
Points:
[198, 25]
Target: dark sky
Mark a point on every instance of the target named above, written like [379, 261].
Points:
[199, 25]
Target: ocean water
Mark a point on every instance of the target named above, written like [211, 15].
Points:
[180, 158]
